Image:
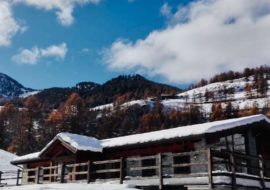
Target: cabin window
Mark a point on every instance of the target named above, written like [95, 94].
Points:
[232, 143]
[179, 160]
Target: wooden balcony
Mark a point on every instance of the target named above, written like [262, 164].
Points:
[206, 169]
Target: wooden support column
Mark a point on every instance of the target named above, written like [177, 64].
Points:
[89, 171]
[37, 175]
[74, 169]
[18, 177]
[232, 163]
[261, 166]
[122, 170]
[210, 169]
[1, 176]
[160, 171]
[62, 177]
[51, 165]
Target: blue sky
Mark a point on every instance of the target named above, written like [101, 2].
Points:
[95, 27]
[63, 42]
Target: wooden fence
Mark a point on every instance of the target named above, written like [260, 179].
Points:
[204, 163]
[10, 177]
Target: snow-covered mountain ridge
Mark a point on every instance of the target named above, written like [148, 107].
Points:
[233, 91]
[10, 88]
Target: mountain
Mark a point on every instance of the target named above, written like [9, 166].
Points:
[10, 88]
[243, 92]
[119, 89]
[125, 88]
[132, 104]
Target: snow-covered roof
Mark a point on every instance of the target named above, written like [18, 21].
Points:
[27, 157]
[179, 132]
[78, 142]
[84, 143]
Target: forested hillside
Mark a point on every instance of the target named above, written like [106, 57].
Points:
[129, 105]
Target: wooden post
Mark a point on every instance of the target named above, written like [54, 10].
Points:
[232, 163]
[18, 177]
[62, 177]
[89, 171]
[122, 170]
[210, 169]
[261, 166]
[1, 176]
[160, 171]
[50, 170]
[37, 175]
[74, 169]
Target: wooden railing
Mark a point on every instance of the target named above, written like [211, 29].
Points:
[238, 165]
[204, 163]
[13, 176]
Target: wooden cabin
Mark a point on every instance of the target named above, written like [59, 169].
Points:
[227, 154]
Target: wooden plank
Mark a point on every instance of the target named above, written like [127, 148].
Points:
[141, 158]
[189, 153]
[261, 165]
[210, 169]
[31, 177]
[62, 176]
[49, 168]
[160, 171]
[107, 162]
[188, 164]
[89, 171]
[143, 168]
[1, 176]
[30, 170]
[122, 170]
[191, 175]
[106, 171]
[50, 175]
[18, 177]
[232, 164]
[37, 175]
[80, 173]
[76, 165]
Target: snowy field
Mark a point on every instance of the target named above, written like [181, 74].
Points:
[82, 186]
[9, 170]
[5, 158]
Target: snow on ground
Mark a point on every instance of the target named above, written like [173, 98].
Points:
[71, 186]
[102, 107]
[26, 94]
[5, 158]
[9, 171]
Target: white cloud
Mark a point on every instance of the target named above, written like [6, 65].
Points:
[63, 8]
[166, 10]
[8, 25]
[202, 39]
[35, 54]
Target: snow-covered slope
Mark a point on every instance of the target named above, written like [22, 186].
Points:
[10, 88]
[207, 95]
[5, 158]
